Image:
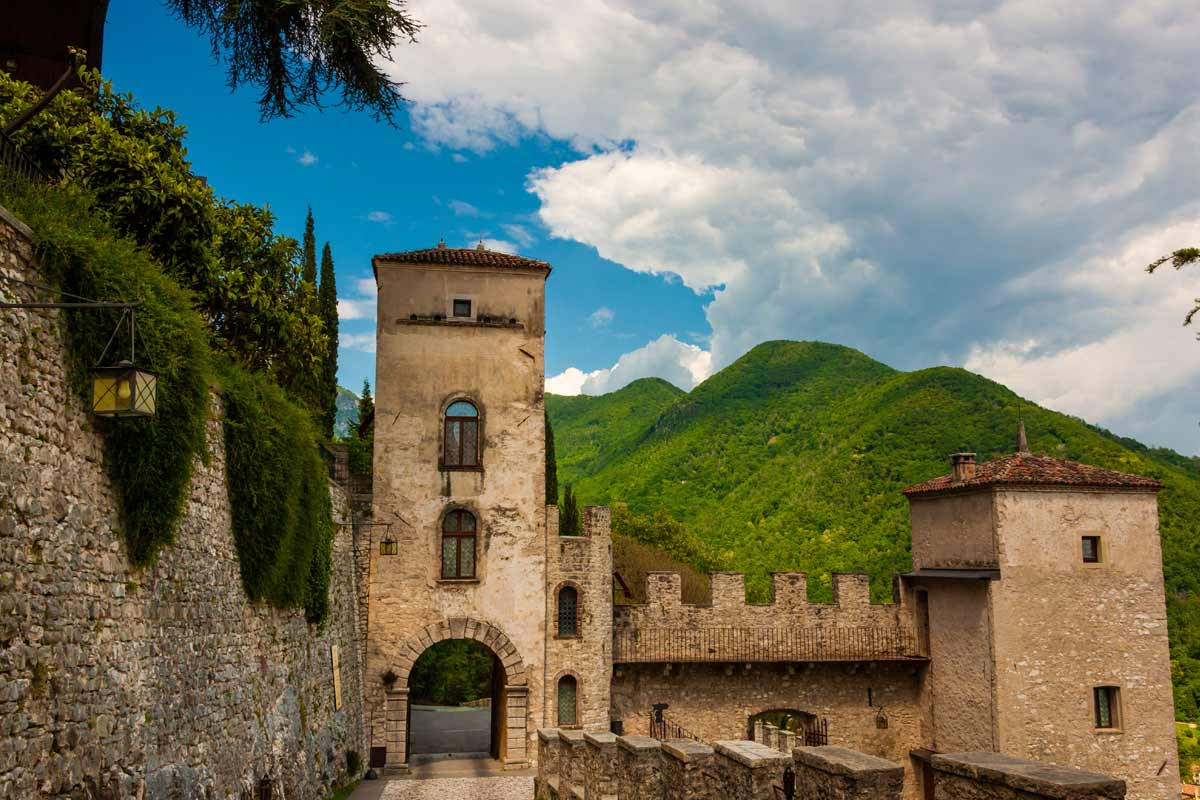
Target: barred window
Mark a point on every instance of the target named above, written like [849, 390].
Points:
[568, 611]
[1108, 707]
[567, 696]
[461, 446]
[458, 544]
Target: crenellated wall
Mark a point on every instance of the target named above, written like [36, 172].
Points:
[728, 629]
[586, 766]
[145, 683]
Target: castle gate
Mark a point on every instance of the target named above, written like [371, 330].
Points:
[510, 691]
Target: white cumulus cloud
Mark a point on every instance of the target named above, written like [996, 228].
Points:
[364, 342]
[680, 363]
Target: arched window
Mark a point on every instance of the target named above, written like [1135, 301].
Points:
[461, 448]
[567, 694]
[568, 611]
[458, 544]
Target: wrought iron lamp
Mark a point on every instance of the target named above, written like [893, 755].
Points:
[119, 390]
[388, 546]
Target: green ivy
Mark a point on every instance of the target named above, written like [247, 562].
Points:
[150, 460]
[279, 493]
[277, 481]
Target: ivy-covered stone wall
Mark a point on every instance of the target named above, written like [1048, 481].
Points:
[156, 682]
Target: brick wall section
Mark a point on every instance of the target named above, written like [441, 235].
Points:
[162, 682]
[835, 773]
[585, 563]
[727, 628]
[991, 776]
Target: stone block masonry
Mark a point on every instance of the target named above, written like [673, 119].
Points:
[572, 766]
[118, 682]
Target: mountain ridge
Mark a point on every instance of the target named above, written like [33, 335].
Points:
[794, 458]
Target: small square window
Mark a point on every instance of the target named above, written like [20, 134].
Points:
[1108, 707]
[1091, 549]
[462, 308]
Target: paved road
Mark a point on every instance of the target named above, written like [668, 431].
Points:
[453, 729]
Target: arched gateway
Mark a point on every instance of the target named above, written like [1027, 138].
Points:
[511, 716]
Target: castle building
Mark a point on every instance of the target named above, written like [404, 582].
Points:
[1032, 624]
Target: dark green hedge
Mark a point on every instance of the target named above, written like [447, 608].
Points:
[279, 491]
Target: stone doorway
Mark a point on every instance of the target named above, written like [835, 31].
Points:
[506, 717]
[454, 700]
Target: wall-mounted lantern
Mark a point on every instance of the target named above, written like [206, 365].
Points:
[119, 390]
[388, 546]
[881, 720]
[123, 390]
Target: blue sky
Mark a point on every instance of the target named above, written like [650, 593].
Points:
[968, 183]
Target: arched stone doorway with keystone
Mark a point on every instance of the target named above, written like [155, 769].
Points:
[509, 717]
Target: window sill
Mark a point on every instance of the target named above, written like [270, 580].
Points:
[458, 581]
[567, 638]
[1108, 731]
[445, 468]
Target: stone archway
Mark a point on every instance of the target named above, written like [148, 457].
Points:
[515, 700]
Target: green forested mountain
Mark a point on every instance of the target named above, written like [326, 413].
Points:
[793, 458]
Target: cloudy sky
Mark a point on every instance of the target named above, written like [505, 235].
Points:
[968, 183]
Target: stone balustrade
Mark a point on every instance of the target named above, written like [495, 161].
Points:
[601, 766]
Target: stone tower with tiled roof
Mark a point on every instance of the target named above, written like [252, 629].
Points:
[1037, 586]
[465, 544]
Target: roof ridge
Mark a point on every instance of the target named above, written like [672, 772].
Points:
[1032, 469]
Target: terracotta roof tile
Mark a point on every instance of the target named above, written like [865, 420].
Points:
[473, 257]
[1026, 469]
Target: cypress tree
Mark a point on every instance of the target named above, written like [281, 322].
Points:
[309, 272]
[366, 405]
[568, 523]
[551, 465]
[327, 307]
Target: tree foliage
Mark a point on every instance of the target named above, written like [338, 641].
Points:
[1180, 259]
[308, 261]
[297, 50]
[568, 520]
[244, 279]
[327, 304]
[452, 672]
[551, 465]
[361, 442]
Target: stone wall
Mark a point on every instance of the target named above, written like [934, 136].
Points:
[714, 701]
[118, 682]
[584, 563]
[592, 766]
[727, 628]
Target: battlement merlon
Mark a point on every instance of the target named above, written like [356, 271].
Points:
[728, 629]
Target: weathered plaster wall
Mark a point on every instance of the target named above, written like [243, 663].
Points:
[961, 667]
[422, 366]
[1063, 627]
[584, 562]
[715, 701]
[954, 532]
[162, 682]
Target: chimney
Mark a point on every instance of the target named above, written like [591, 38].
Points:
[963, 465]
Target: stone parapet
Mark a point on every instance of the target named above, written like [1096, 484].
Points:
[600, 767]
[835, 773]
[749, 770]
[687, 768]
[546, 784]
[572, 764]
[639, 768]
[728, 629]
[994, 776]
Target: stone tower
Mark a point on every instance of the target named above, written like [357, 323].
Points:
[1037, 588]
[459, 475]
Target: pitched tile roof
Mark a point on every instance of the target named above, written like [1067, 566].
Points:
[467, 257]
[1026, 469]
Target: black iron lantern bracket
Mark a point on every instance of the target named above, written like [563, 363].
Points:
[118, 390]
